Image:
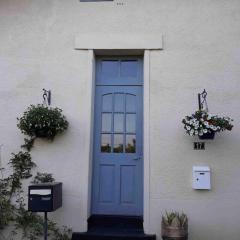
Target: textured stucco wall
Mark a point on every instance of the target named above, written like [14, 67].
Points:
[201, 41]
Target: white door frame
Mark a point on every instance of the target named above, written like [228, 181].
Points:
[146, 138]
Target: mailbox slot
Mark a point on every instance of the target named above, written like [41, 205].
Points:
[40, 192]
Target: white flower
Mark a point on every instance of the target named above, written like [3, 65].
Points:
[196, 132]
[188, 128]
[204, 130]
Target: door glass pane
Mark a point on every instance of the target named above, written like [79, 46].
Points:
[107, 103]
[118, 143]
[106, 143]
[131, 123]
[130, 143]
[106, 122]
[130, 103]
[119, 102]
[118, 122]
[110, 68]
[129, 68]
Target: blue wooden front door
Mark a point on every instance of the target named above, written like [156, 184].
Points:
[118, 155]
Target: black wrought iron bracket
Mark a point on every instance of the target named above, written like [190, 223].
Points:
[47, 96]
[202, 100]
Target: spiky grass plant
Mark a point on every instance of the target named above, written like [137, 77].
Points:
[175, 219]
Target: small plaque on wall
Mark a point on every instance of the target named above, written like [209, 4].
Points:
[199, 145]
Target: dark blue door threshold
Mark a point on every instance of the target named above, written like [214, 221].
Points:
[106, 227]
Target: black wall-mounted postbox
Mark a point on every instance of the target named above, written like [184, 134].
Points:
[45, 197]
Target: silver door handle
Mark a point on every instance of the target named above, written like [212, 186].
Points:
[137, 158]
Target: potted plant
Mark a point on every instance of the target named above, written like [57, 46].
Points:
[205, 125]
[174, 226]
[40, 121]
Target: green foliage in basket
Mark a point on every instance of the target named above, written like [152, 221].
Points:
[43, 122]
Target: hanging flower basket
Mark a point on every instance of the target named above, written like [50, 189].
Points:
[42, 122]
[205, 125]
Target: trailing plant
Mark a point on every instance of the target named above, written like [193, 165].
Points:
[43, 178]
[57, 233]
[29, 223]
[201, 122]
[22, 166]
[40, 121]
[6, 209]
[12, 205]
[31, 226]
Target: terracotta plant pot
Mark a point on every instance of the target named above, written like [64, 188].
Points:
[174, 233]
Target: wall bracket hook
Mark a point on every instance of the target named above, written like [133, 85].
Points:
[46, 97]
[202, 101]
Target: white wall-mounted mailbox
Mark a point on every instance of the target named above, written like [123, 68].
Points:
[201, 177]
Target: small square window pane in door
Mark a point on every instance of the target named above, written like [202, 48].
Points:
[129, 68]
[130, 143]
[118, 122]
[118, 143]
[130, 103]
[119, 102]
[107, 103]
[106, 143]
[110, 69]
[106, 122]
[131, 123]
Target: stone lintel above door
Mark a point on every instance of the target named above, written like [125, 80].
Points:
[137, 41]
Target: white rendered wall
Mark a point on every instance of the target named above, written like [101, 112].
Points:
[201, 49]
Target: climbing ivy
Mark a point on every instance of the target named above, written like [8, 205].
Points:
[12, 203]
